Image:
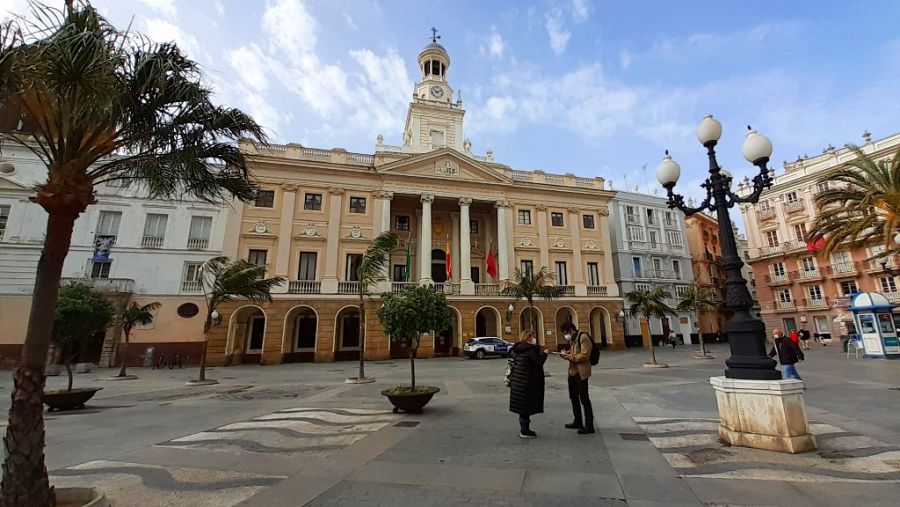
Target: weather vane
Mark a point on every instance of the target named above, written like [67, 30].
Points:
[434, 35]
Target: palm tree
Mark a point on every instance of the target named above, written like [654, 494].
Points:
[225, 280]
[100, 104]
[128, 317]
[699, 300]
[861, 205]
[646, 304]
[372, 269]
[529, 284]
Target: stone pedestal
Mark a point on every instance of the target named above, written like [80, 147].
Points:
[763, 414]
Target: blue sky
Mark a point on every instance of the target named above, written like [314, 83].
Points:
[596, 88]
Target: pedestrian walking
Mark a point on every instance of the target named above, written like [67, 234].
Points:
[804, 338]
[789, 354]
[795, 336]
[579, 357]
[526, 382]
[673, 338]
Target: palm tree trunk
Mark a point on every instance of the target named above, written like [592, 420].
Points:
[650, 340]
[68, 363]
[412, 366]
[122, 372]
[25, 480]
[362, 337]
[206, 326]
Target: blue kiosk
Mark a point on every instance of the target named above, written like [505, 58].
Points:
[876, 324]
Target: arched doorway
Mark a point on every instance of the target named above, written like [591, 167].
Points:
[487, 322]
[247, 335]
[438, 265]
[301, 327]
[564, 315]
[601, 328]
[346, 334]
[534, 321]
[447, 341]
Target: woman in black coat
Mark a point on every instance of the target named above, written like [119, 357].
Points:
[526, 382]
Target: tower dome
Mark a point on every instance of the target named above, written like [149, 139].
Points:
[434, 60]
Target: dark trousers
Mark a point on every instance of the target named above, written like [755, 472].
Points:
[524, 423]
[578, 395]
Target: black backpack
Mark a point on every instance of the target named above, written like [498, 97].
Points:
[595, 350]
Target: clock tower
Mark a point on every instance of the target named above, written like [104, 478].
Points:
[434, 120]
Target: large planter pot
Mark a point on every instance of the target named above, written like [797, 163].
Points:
[67, 400]
[411, 403]
[80, 497]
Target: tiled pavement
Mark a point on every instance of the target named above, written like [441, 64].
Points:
[305, 438]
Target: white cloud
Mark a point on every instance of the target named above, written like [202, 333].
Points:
[165, 7]
[625, 59]
[349, 21]
[580, 10]
[220, 10]
[559, 36]
[161, 30]
[496, 44]
[704, 42]
[250, 64]
[290, 28]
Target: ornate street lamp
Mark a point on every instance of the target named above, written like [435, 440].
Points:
[746, 334]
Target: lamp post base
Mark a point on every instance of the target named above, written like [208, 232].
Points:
[763, 414]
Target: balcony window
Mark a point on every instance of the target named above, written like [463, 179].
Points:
[526, 266]
[849, 287]
[100, 269]
[888, 284]
[198, 237]
[670, 219]
[257, 257]
[351, 270]
[821, 186]
[191, 278]
[108, 224]
[556, 219]
[307, 266]
[593, 273]
[357, 205]
[638, 268]
[636, 234]
[524, 217]
[4, 218]
[399, 273]
[312, 202]
[784, 296]
[562, 277]
[676, 267]
[815, 292]
[808, 264]
[154, 230]
[791, 197]
[265, 199]
[587, 221]
[778, 269]
[654, 239]
[651, 217]
[473, 226]
[401, 223]
[675, 238]
[772, 238]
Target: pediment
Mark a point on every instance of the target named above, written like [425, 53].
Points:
[444, 164]
[8, 184]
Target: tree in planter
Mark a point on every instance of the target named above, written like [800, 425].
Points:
[409, 314]
[646, 304]
[81, 314]
[698, 299]
[530, 285]
[372, 269]
[130, 316]
[100, 104]
[224, 281]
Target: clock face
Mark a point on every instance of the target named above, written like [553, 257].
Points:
[437, 92]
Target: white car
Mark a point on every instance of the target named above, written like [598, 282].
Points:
[488, 346]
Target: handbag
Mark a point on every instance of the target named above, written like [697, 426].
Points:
[509, 367]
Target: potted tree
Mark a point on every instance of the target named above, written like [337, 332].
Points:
[225, 280]
[128, 317]
[81, 315]
[530, 285]
[124, 109]
[406, 316]
[372, 269]
[698, 299]
[646, 304]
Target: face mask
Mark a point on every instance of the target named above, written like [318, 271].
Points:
[568, 337]
[532, 341]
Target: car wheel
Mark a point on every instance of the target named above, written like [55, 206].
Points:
[479, 354]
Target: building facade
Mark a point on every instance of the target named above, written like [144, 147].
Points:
[706, 259]
[451, 209]
[648, 249]
[797, 284]
[128, 246]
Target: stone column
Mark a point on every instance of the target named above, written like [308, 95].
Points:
[425, 241]
[454, 247]
[543, 238]
[383, 226]
[335, 203]
[466, 286]
[578, 268]
[502, 241]
[285, 231]
[606, 271]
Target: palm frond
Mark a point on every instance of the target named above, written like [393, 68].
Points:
[375, 261]
[225, 280]
[137, 315]
[649, 303]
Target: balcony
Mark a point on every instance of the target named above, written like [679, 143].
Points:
[875, 264]
[815, 303]
[348, 287]
[397, 287]
[197, 243]
[783, 278]
[809, 274]
[487, 289]
[765, 213]
[566, 290]
[893, 297]
[793, 206]
[596, 290]
[304, 287]
[191, 286]
[110, 285]
[664, 274]
[785, 305]
[152, 242]
[779, 249]
[843, 269]
[632, 219]
[671, 223]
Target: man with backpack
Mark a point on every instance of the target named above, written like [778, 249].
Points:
[581, 354]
